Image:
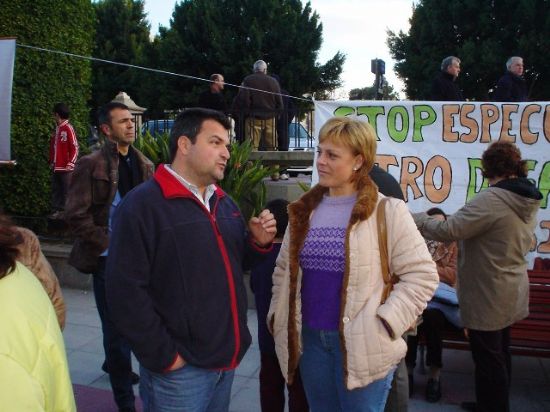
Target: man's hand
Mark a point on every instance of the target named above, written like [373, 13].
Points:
[263, 228]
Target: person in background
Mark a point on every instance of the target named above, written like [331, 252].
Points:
[496, 228]
[63, 155]
[444, 87]
[285, 118]
[30, 254]
[260, 101]
[213, 97]
[511, 86]
[283, 122]
[101, 179]
[326, 312]
[34, 375]
[398, 397]
[272, 382]
[442, 311]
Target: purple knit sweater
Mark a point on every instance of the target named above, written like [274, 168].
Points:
[322, 261]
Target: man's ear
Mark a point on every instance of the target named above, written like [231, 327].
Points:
[184, 144]
[105, 129]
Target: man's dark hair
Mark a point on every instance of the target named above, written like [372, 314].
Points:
[62, 110]
[189, 123]
[279, 209]
[503, 159]
[436, 211]
[104, 112]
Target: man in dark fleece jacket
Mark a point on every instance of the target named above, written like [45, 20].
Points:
[174, 273]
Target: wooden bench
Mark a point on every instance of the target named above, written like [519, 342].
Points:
[528, 337]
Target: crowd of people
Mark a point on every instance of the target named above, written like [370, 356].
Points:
[168, 248]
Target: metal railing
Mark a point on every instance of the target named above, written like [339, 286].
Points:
[286, 131]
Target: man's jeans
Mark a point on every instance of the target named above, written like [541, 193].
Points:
[118, 361]
[188, 389]
[321, 367]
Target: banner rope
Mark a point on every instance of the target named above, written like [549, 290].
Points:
[133, 66]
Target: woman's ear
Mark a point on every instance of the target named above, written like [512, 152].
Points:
[358, 162]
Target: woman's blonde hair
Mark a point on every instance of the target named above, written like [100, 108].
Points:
[358, 136]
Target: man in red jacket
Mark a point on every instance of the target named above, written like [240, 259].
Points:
[63, 154]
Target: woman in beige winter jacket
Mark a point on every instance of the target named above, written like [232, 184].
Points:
[326, 313]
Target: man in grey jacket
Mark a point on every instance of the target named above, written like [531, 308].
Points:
[496, 229]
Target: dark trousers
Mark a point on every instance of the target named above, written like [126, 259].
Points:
[272, 388]
[432, 327]
[118, 363]
[493, 369]
[60, 186]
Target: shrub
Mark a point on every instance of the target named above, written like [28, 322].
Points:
[42, 79]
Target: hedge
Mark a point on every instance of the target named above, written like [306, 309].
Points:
[42, 79]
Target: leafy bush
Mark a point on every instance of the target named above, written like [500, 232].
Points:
[244, 179]
[156, 148]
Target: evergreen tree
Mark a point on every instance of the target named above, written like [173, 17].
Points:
[42, 79]
[483, 34]
[122, 35]
[228, 36]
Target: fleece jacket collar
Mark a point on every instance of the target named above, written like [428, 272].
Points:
[171, 188]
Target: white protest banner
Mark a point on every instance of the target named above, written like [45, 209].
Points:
[7, 57]
[434, 148]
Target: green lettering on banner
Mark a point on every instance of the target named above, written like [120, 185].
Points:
[420, 121]
[474, 166]
[398, 136]
[372, 112]
[531, 164]
[344, 111]
[544, 184]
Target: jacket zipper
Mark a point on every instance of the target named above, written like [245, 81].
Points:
[230, 281]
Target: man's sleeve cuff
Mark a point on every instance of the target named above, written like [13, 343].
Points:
[261, 249]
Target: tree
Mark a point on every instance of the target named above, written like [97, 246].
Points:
[122, 35]
[42, 79]
[483, 34]
[284, 33]
[369, 93]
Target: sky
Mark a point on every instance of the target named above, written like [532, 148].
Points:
[357, 28]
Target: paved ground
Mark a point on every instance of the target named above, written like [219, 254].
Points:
[530, 386]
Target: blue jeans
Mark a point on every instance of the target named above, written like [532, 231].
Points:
[118, 360]
[188, 389]
[321, 367]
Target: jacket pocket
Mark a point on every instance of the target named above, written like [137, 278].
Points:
[101, 188]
